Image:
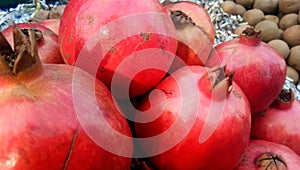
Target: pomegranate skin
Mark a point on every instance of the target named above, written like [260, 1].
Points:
[257, 147]
[118, 20]
[279, 126]
[38, 122]
[232, 131]
[48, 47]
[259, 70]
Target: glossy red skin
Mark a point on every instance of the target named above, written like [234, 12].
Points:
[198, 14]
[279, 126]
[48, 47]
[52, 24]
[38, 122]
[259, 70]
[81, 19]
[257, 147]
[222, 150]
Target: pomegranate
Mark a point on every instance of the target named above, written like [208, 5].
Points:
[260, 70]
[193, 47]
[196, 13]
[279, 123]
[52, 24]
[265, 155]
[199, 118]
[47, 41]
[120, 38]
[47, 123]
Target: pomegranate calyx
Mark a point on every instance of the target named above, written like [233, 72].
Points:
[220, 83]
[23, 56]
[269, 160]
[250, 37]
[180, 19]
[284, 100]
[249, 31]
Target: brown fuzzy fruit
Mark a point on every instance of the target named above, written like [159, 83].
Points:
[289, 6]
[267, 6]
[288, 20]
[232, 8]
[269, 30]
[280, 46]
[292, 73]
[246, 3]
[273, 18]
[56, 12]
[253, 16]
[294, 57]
[292, 35]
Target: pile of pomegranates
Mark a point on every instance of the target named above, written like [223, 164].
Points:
[140, 85]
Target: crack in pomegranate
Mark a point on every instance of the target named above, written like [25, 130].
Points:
[66, 162]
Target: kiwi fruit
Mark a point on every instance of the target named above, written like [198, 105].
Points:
[292, 35]
[273, 18]
[56, 12]
[267, 6]
[281, 46]
[269, 30]
[42, 14]
[232, 8]
[289, 6]
[288, 20]
[246, 3]
[253, 16]
[292, 73]
[239, 10]
[294, 57]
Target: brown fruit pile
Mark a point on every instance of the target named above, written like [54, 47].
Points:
[279, 22]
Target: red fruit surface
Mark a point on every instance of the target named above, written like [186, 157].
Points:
[279, 123]
[259, 70]
[47, 123]
[279, 152]
[125, 30]
[52, 24]
[211, 130]
[48, 47]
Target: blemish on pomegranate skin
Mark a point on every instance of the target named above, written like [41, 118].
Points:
[67, 56]
[91, 20]
[146, 36]
[70, 38]
[236, 94]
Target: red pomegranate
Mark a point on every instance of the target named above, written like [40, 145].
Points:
[200, 120]
[47, 41]
[264, 155]
[259, 70]
[128, 39]
[48, 118]
[279, 123]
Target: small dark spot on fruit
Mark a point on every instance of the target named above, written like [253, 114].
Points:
[70, 38]
[67, 56]
[102, 69]
[236, 94]
[112, 49]
[146, 36]
[91, 20]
